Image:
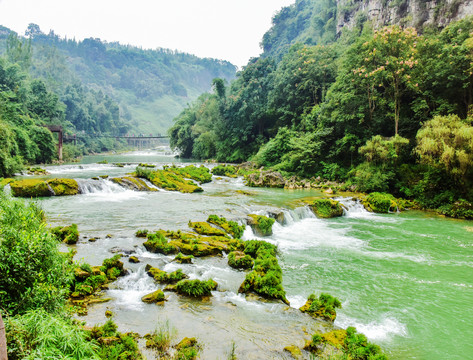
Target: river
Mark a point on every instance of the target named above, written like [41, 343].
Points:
[405, 279]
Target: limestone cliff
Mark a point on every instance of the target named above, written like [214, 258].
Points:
[416, 13]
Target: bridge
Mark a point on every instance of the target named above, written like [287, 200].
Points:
[140, 141]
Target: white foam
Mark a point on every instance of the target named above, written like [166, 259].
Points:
[381, 330]
[130, 289]
[312, 232]
[296, 301]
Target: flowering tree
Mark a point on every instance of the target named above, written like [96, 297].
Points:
[385, 67]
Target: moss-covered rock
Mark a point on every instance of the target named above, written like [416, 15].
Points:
[231, 227]
[204, 228]
[322, 307]
[240, 260]
[63, 187]
[196, 288]
[380, 203]
[67, 234]
[44, 188]
[133, 260]
[141, 233]
[183, 259]
[295, 352]
[346, 344]
[327, 208]
[154, 297]
[188, 349]
[173, 242]
[266, 278]
[30, 188]
[225, 170]
[36, 171]
[261, 225]
[168, 180]
[157, 243]
[132, 183]
[164, 277]
[200, 174]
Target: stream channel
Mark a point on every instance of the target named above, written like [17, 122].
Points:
[405, 280]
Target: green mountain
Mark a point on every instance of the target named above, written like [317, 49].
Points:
[150, 86]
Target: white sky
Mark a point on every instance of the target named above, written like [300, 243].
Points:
[223, 29]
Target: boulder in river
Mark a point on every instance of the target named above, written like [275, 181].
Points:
[327, 208]
[154, 297]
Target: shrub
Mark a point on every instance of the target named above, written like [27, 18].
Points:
[33, 273]
[141, 233]
[67, 234]
[196, 288]
[40, 335]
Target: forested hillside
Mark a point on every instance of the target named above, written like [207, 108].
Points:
[383, 109]
[150, 86]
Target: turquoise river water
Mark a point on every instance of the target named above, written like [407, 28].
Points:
[405, 279]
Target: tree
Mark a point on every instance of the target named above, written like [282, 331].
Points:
[446, 142]
[386, 62]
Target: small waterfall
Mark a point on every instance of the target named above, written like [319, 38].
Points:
[99, 186]
[129, 290]
[353, 207]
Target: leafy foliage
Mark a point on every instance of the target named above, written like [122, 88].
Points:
[33, 273]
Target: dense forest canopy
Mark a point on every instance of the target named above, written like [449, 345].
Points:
[356, 109]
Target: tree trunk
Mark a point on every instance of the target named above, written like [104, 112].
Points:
[3, 341]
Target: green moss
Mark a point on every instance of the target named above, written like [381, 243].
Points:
[36, 171]
[204, 228]
[154, 297]
[231, 227]
[64, 186]
[114, 345]
[381, 203]
[200, 174]
[141, 233]
[43, 188]
[266, 277]
[134, 260]
[322, 307]
[157, 243]
[132, 183]
[67, 234]
[225, 170]
[146, 165]
[351, 344]
[183, 259]
[327, 208]
[168, 180]
[239, 260]
[30, 188]
[196, 288]
[164, 277]
[187, 349]
[261, 225]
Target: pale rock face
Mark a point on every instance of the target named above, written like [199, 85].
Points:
[416, 13]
